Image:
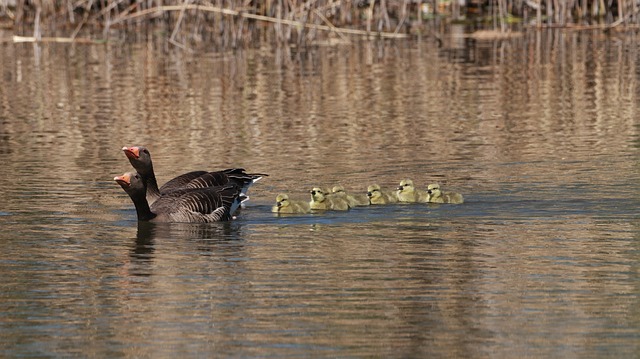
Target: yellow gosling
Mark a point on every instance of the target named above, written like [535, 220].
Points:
[285, 205]
[437, 196]
[377, 196]
[320, 201]
[409, 194]
[355, 200]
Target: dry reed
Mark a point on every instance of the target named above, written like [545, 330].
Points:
[231, 23]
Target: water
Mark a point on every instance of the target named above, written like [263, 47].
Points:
[540, 134]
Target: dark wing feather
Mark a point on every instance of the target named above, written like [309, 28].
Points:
[209, 204]
[236, 176]
[181, 181]
[209, 179]
[239, 177]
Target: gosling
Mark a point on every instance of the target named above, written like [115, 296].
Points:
[356, 200]
[319, 200]
[377, 196]
[285, 205]
[437, 196]
[409, 194]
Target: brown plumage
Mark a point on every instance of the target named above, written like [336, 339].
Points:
[140, 159]
[197, 205]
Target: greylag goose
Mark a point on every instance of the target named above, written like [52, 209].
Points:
[319, 200]
[140, 159]
[285, 205]
[437, 196]
[409, 194]
[377, 196]
[353, 200]
[199, 205]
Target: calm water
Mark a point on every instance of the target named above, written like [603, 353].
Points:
[540, 133]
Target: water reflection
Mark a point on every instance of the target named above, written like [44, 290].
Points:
[539, 133]
[149, 232]
[144, 246]
[196, 238]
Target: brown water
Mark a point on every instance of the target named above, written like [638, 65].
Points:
[539, 133]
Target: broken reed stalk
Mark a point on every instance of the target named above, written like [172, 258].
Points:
[403, 16]
[180, 17]
[623, 19]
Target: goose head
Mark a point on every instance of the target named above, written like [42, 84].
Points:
[140, 158]
[132, 183]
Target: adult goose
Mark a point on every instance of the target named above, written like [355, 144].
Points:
[197, 205]
[140, 159]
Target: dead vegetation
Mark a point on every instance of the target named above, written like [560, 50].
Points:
[232, 23]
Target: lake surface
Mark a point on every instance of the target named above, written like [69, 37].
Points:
[540, 133]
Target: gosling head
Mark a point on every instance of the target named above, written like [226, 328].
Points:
[433, 190]
[406, 186]
[337, 189]
[373, 191]
[282, 200]
[317, 194]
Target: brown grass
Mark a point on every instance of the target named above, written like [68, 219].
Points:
[232, 23]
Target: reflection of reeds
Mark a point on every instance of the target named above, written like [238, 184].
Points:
[236, 22]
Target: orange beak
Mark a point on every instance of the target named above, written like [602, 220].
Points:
[131, 152]
[124, 180]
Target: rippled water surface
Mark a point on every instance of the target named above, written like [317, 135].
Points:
[540, 134]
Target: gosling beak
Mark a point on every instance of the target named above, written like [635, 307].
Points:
[369, 194]
[131, 152]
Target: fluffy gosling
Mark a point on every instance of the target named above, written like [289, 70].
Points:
[377, 196]
[353, 200]
[319, 200]
[409, 194]
[437, 196]
[285, 205]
